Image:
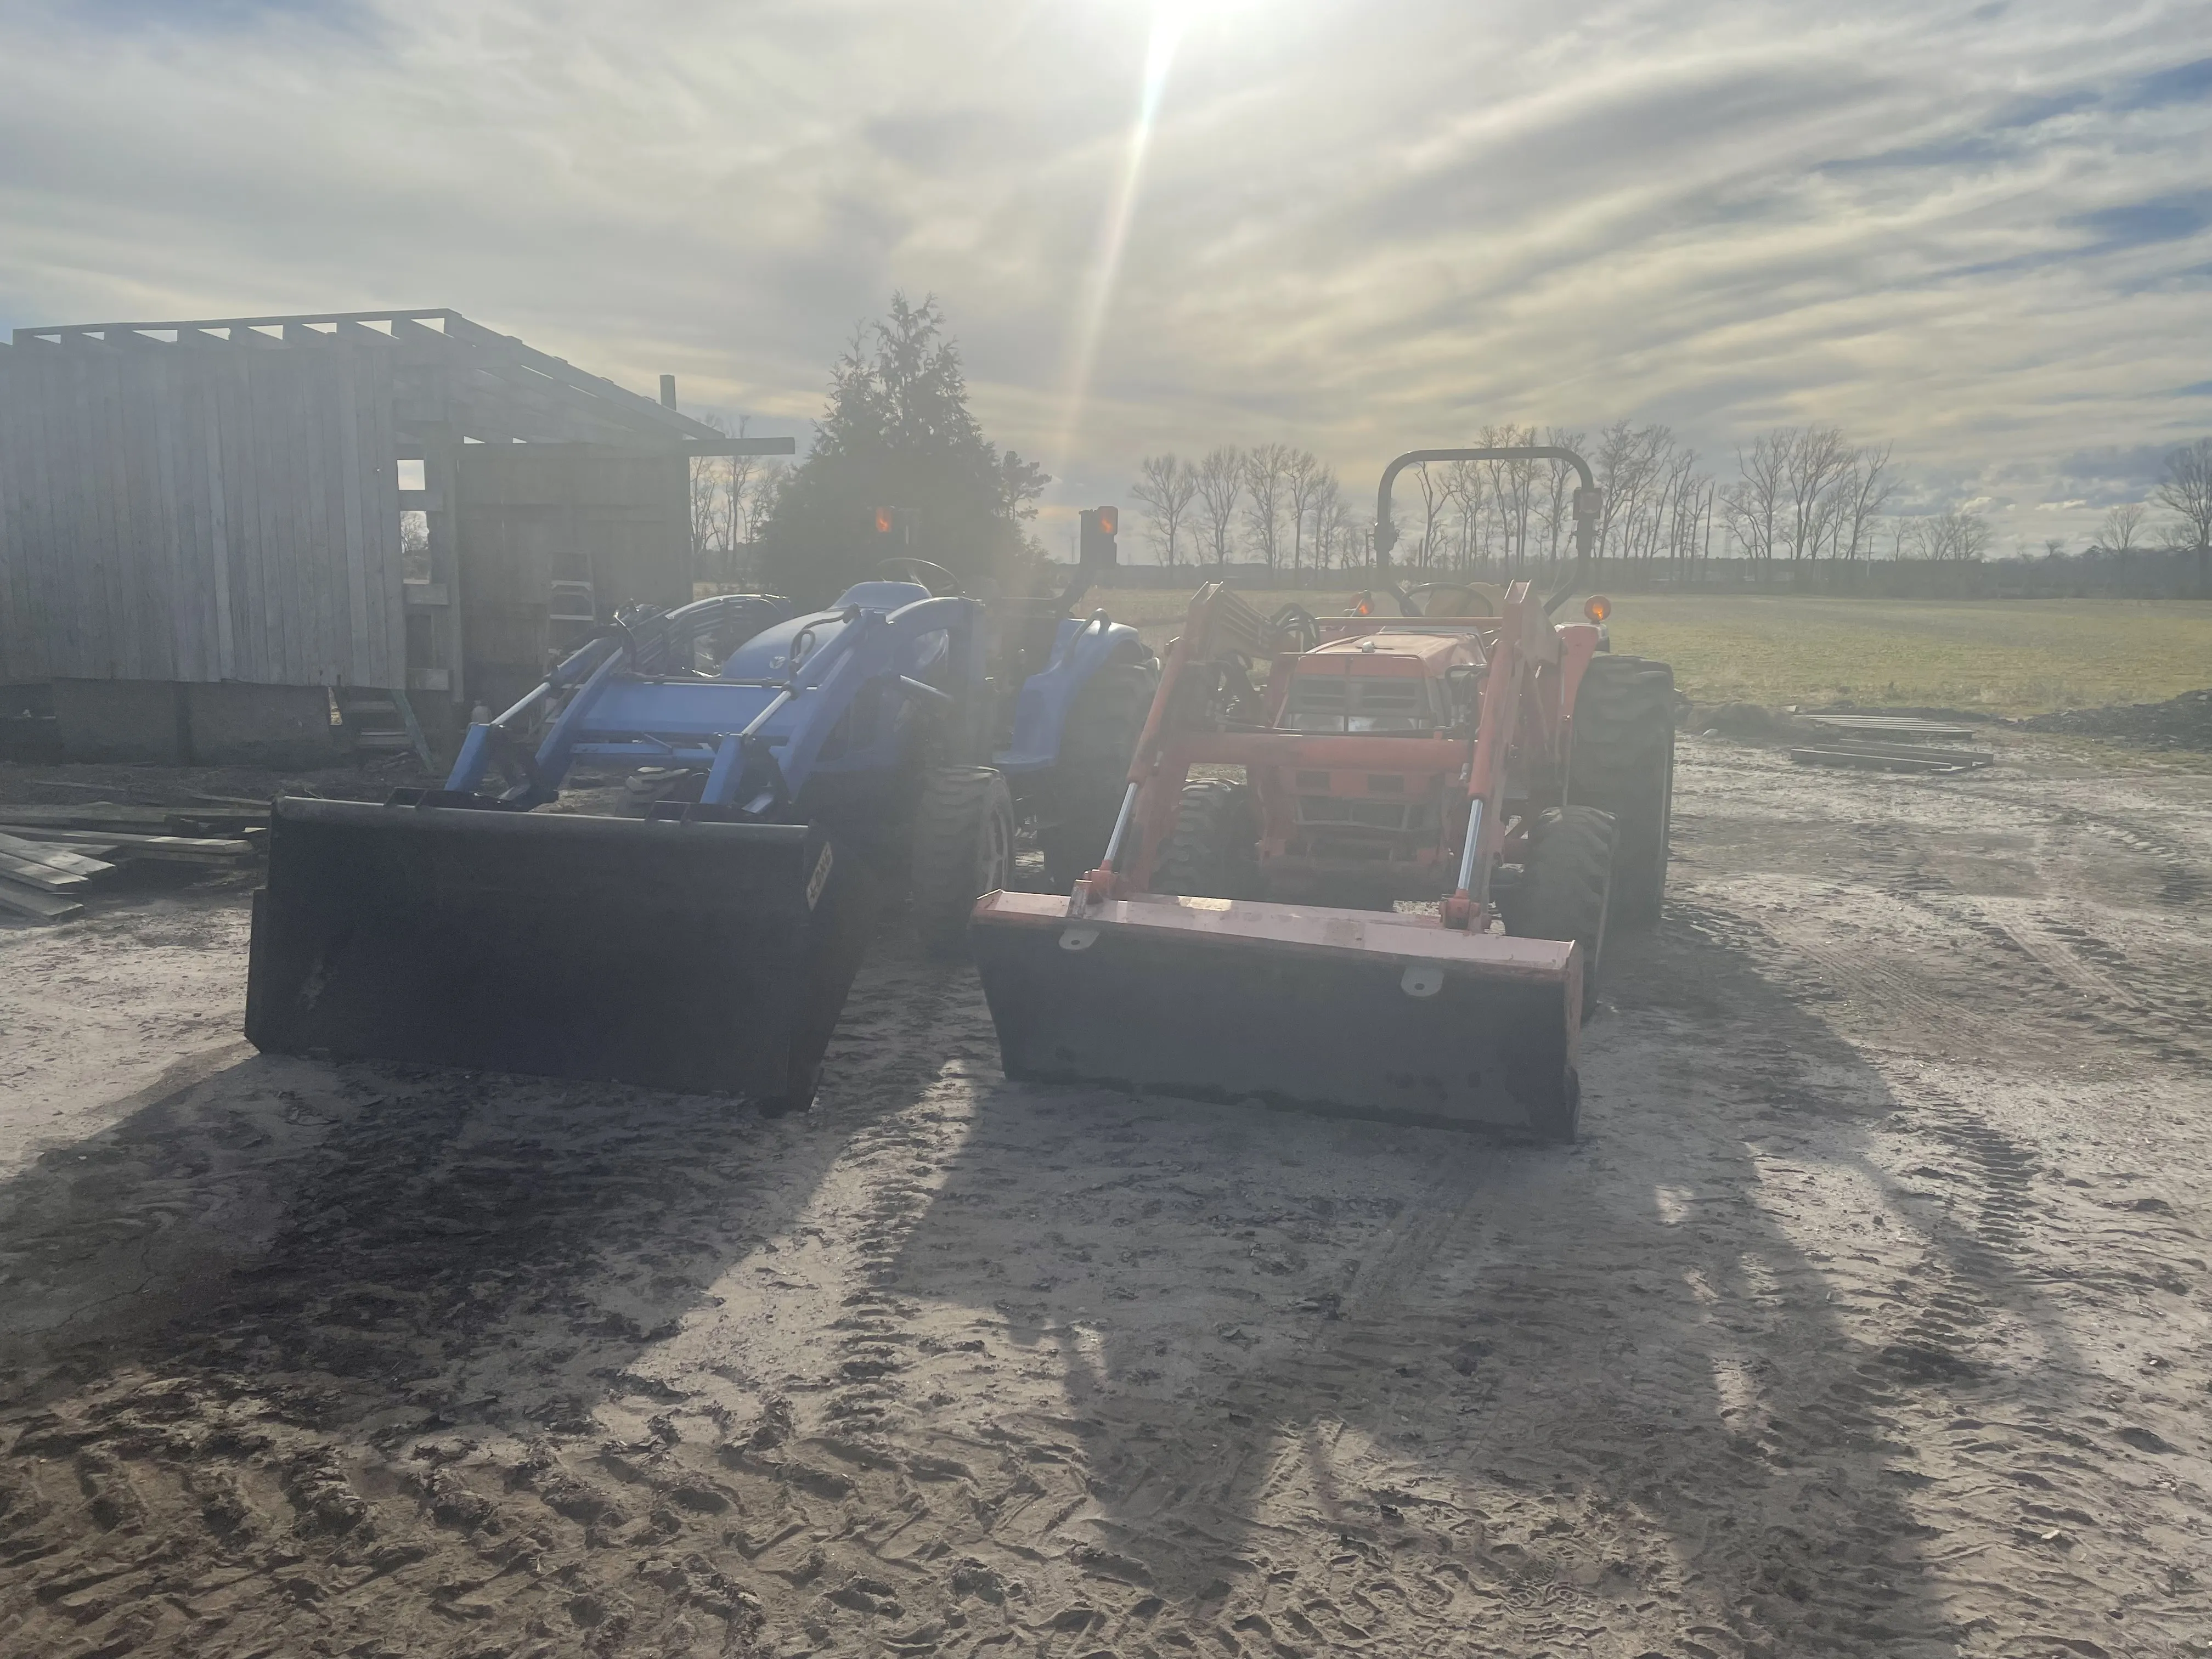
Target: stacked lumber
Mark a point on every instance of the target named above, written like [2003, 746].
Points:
[1886, 742]
[1903, 727]
[50, 856]
[1871, 757]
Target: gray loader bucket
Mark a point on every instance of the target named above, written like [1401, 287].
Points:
[711, 959]
[1344, 1011]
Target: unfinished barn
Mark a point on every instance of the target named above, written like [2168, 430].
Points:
[274, 538]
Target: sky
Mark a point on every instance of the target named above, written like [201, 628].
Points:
[1981, 232]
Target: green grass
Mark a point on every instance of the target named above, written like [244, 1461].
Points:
[2003, 656]
[2007, 657]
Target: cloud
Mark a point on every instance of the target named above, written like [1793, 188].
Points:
[1985, 237]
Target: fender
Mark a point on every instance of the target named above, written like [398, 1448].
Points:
[1079, 650]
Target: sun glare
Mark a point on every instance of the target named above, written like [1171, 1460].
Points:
[1169, 20]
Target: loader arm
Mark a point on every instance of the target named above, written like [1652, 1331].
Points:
[1217, 621]
[1526, 644]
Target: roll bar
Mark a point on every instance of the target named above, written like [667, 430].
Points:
[1587, 502]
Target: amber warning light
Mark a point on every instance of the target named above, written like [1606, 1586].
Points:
[883, 521]
[1597, 607]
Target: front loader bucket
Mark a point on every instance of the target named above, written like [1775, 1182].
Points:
[711, 959]
[1346, 1011]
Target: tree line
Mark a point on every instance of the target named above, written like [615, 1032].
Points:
[898, 431]
[1802, 497]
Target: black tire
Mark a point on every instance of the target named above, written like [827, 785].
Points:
[963, 848]
[1565, 886]
[1623, 764]
[1214, 851]
[1101, 731]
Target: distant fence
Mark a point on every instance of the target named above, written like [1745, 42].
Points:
[2157, 574]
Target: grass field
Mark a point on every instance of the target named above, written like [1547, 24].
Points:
[2002, 656]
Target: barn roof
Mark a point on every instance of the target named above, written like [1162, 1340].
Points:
[493, 384]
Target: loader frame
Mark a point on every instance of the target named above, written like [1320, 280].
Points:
[1126, 984]
[1517, 753]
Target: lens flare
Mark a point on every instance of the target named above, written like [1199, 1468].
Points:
[1097, 295]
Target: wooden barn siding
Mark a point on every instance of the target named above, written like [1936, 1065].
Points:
[200, 512]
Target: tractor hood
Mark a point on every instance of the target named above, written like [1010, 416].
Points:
[767, 655]
[1428, 652]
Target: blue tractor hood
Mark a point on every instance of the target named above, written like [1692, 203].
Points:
[767, 655]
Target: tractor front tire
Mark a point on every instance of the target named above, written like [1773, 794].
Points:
[1566, 886]
[1214, 851]
[963, 848]
[1623, 762]
[1093, 775]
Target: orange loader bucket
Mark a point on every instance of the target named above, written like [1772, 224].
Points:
[1358, 1013]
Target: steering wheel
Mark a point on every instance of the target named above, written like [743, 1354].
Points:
[906, 567]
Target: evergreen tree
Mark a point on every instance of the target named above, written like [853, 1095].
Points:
[898, 434]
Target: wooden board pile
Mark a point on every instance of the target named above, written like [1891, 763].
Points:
[50, 856]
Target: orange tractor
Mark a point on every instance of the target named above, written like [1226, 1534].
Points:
[1398, 909]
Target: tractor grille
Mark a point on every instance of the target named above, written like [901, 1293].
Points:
[1343, 812]
[1359, 703]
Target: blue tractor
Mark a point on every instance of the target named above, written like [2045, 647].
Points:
[814, 769]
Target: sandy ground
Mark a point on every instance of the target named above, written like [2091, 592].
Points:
[1871, 1316]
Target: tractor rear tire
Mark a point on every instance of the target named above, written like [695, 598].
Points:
[1566, 886]
[963, 848]
[1214, 851]
[1093, 775]
[1623, 762]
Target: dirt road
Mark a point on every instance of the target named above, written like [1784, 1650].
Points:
[1872, 1316]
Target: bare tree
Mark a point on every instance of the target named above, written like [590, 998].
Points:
[1220, 482]
[1266, 477]
[1970, 536]
[1555, 504]
[2121, 525]
[1327, 495]
[713, 518]
[1338, 530]
[1467, 488]
[1813, 461]
[1624, 461]
[2187, 493]
[1302, 485]
[731, 497]
[1689, 498]
[1355, 543]
[754, 481]
[1753, 503]
[1956, 536]
[1513, 487]
[1865, 489]
[1164, 489]
[1432, 506]
[415, 545]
